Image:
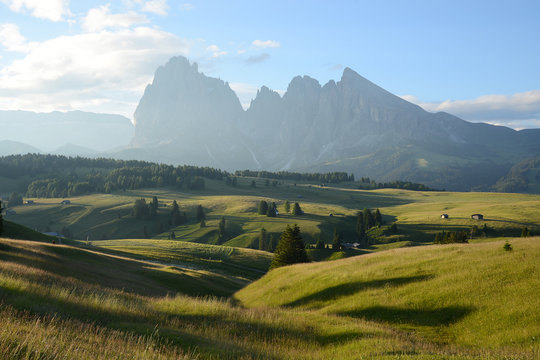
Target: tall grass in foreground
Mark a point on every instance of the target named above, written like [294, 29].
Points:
[59, 314]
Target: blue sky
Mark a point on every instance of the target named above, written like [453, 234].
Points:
[476, 59]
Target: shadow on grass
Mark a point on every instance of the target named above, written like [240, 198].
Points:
[419, 317]
[341, 290]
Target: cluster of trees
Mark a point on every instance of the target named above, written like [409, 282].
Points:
[290, 249]
[268, 209]
[333, 177]
[61, 176]
[267, 242]
[366, 183]
[365, 220]
[450, 237]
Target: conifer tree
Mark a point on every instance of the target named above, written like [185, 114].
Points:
[368, 219]
[263, 207]
[263, 240]
[336, 241]
[200, 213]
[221, 229]
[297, 210]
[271, 211]
[287, 206]
[202, 224]
[290, 249]
[377, 217]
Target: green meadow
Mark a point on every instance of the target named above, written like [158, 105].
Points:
[112, 293]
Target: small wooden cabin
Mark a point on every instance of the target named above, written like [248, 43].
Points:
[444, 216]
[477, 216]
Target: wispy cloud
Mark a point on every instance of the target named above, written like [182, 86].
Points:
[257, 58]
[216, 51]
[101, 18]
[521, 110]
[53, 10]
[266, 44]
[159, 7]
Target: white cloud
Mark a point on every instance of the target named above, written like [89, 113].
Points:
[216, 51]
[53, 10]
[521, 110]
[101, 18]
[12, 39]
[159, 7]
[266, 44]
[105, 71]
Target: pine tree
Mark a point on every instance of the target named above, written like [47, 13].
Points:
[153, 206]
[176, 217]
[360, 226]
[377, 217]
[297, 210]
[221, 229]
[287, 207]
[263, 207]
[200, 213]
[290, 249]
[271, 211]
[368, 219]
[525, 232]
[202, 224]
[320, 244]
[263, 240]
[336, 241]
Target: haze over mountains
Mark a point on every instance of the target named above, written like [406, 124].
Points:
[352, 125]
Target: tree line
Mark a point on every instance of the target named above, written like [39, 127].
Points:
[332, 177]
[61, 176]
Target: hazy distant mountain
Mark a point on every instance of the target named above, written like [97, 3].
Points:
[49, 131]
[74, 150]
[8, 147]
[351, 125]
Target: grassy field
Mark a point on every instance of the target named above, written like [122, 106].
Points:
[59, 301]
[475, 296]
[417, 214]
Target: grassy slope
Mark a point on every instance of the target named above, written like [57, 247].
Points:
[417, 213]
[58, 301]
[476, 295]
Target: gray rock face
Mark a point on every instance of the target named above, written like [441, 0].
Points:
[351, 125]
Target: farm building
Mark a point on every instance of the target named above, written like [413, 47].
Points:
[477, 216]
[65, 202]
[444, 216]
[29, 202]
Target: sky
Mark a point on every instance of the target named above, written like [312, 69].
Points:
[478, 60]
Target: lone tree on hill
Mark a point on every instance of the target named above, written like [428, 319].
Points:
[176, 217]
[297, 210]
[290, 249]
[263, 240]
[140, 209]
[221, 228]
[200, 213]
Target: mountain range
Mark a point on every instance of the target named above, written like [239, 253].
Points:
[350, 125]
